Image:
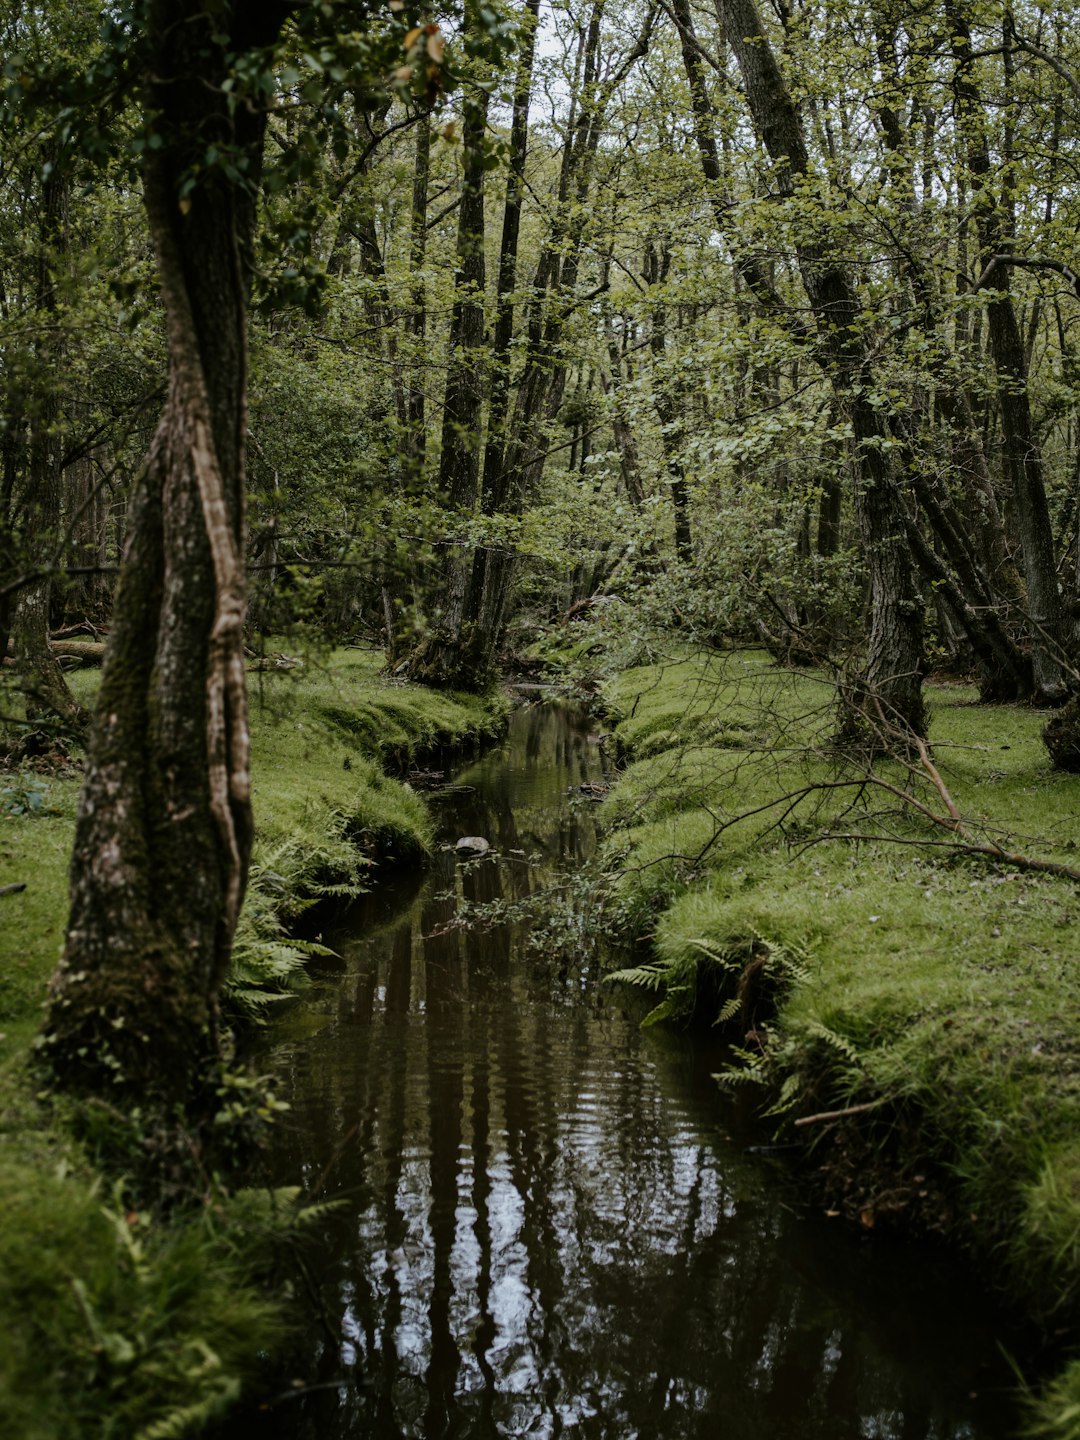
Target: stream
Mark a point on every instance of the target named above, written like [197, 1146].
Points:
[548, 1221]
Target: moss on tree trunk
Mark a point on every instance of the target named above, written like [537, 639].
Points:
[163, 834]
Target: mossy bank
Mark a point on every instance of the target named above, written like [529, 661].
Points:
[120, 1322]
[891, 942]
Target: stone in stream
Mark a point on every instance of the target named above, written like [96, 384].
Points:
[472, 845]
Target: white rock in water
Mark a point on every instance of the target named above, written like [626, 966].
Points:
[473, 845]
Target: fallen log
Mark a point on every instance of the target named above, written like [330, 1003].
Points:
[90, 652]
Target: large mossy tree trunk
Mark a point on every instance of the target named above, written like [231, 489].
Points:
[164, 829]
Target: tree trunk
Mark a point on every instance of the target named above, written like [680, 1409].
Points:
[894, 659]
[543, 379]
[46, 692]
[657, 264]
[444, 657]
[1022, 450]
[623, 432]
[163, 834]
[417, 319]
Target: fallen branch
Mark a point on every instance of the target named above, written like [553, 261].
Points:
[988, 851]
[824, 1115]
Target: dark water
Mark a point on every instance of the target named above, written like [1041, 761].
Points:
[548, 1225]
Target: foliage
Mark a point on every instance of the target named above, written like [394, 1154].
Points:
[118, 1326]
[26, 794]
[713, 976]
[687, 471]
[932, 993]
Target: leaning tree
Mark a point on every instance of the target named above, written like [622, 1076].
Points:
[164, 829]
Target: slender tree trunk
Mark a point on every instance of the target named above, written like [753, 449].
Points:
[544, 376]
[508, 257]
[622, 430]
[894, 660]
[444, 658]
[417, 322]
[748, 266]
[46, 691]
[1022, 450]
[657, 265]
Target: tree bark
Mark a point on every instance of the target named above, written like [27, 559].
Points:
[657, 264]
[1022, 450]
[163, 834]
[445, 658]
[47, 694]
[417, 319]
[543, 378]
[894, 659]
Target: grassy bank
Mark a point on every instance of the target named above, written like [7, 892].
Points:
[118, 1323]
[908, 1001]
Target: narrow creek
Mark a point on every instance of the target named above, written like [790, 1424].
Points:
[548, 1224]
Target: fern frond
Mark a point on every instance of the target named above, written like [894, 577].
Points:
[192, 1419]
[788, 1097]
[726, 955]
[835, 1041]
[652, 975]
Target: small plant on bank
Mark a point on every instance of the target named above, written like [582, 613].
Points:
[565, 919]
[740, 979]
[26, 794]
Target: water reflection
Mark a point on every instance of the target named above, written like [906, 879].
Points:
[545, 1230]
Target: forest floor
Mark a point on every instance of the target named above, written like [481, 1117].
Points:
[120, 1321]
[891, 942]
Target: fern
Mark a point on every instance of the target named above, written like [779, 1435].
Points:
[747, 1067]
[191, 1419]
[726, 955]
[651, 975]
[268, 965]
[677, 1003]
[787, 964]
[788, 1096]
[835, 1041]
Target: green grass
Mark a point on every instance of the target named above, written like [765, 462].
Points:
[123, 1325]
[323, 737]
[35, 848]
[940, 989]
[322, 742]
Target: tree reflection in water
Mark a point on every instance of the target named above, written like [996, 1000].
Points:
[545, 1230]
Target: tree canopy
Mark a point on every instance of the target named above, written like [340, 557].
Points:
[430, 327]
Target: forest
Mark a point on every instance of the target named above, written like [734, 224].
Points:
[370, 374]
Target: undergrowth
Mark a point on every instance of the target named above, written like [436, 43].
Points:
[916, 1013]
[122, 1327]
[122, 1321]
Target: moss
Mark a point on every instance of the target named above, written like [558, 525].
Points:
[119, 1324]
[326, 811]
[936, 993]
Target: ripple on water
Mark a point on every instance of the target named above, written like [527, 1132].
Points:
[543, 1227]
